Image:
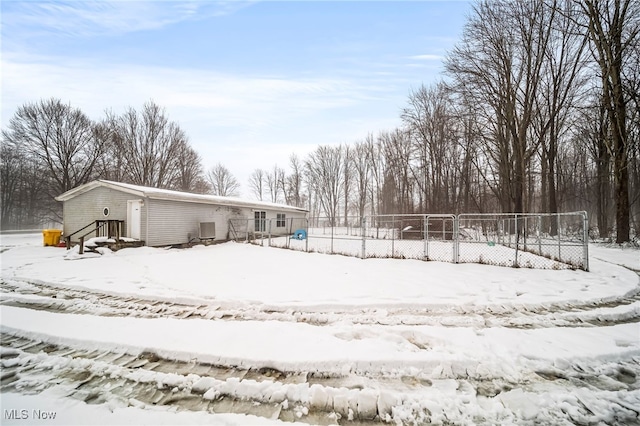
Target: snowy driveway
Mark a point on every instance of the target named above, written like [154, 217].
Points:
[324, 339]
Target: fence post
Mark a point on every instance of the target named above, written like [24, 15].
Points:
[559, 243]
[517, 238]
[585, 241]
[456, 238]
[539, 240]
[363, 224]
[306, 240]
[425, 230]
[332, 223]
[525, 232]
[393, 236]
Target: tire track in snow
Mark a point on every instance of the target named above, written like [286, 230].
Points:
[52, 298]
[145, 380]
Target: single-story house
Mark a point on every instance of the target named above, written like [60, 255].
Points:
[162, 217]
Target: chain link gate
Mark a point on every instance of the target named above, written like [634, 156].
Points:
[245, 230]
[411, 236]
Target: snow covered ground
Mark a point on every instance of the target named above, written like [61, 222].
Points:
[240, 334]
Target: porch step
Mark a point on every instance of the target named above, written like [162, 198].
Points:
[113, 245]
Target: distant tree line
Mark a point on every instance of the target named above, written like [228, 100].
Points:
[539, 111]
[50, 147]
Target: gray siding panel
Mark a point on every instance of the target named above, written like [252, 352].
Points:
[86, 208]
[176, 222]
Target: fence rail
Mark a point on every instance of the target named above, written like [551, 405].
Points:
[521, 240]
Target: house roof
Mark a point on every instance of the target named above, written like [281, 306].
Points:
[166, 194]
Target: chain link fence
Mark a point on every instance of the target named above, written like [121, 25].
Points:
[535, 240]
[412, 236]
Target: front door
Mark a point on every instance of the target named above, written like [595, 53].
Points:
[134, 218]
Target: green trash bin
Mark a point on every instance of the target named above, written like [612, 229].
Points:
[51, 237]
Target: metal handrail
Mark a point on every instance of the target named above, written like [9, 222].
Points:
[81, 229]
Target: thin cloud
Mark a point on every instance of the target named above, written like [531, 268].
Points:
[224, 98]
[427, 57]
[86, 19]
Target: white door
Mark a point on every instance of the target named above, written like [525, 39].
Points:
[134, 218]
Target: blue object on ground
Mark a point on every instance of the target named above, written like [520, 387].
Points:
[299, 234]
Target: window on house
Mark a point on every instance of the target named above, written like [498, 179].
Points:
[260, 221]
[280, 220]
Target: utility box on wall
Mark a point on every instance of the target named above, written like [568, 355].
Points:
[207, 230]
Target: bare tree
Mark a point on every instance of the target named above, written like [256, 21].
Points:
[293, 192]
[471, 191]
[397, 188]
[110, 164]
[361, 175]
[348, 170]
[325, 170]
[376, 159]
[22, 184]
[189, 175]
[48, 148]
[23, 181]
[9, 182]
[613, 27]
[147, 144]
[632, 85]
[498, 66]
[257, 182]
[222, 182]
[61, 138]
[562, 80]
[591, 131]
[430, 121]
[275, 183]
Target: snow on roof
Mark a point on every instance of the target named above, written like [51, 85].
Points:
[167, 194]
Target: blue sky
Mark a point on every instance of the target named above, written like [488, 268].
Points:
[250, 82]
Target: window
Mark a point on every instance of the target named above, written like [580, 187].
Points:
[280, 220]
[260, 221]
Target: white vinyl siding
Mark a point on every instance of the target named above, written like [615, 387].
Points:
[79, 211]
[175, 222]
